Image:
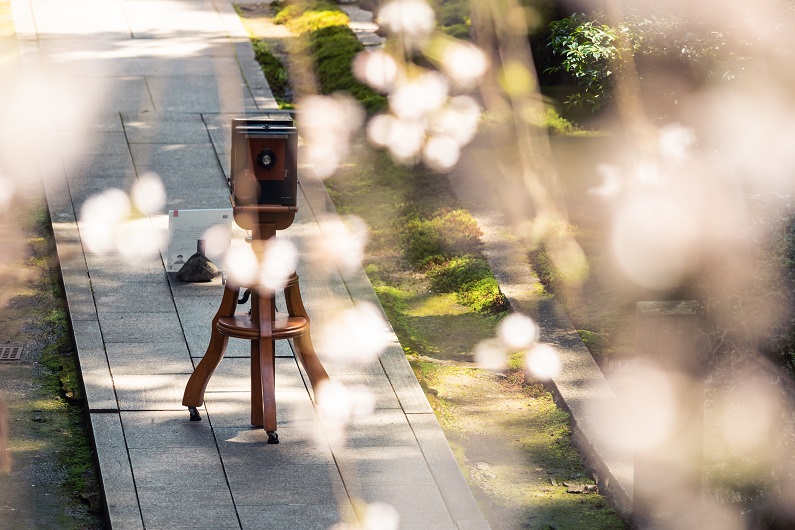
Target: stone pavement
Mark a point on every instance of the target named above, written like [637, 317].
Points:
[152, 86]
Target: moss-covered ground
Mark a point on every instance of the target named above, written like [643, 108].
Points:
[52, 480]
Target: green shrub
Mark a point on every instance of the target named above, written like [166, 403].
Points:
[424, 246]
[588, 50]
[482, 295]
[458, 31]
[547, 273]
[432, 241]
[333, 49]
[275, 73]
[304, 17]
[471, 279]
[455, 272]
[596, 343]
[557, 124]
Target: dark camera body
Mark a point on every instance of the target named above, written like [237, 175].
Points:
[264, 161]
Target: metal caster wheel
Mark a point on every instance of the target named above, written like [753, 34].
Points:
[273, 438]
[194, 414]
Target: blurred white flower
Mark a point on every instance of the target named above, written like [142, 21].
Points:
[326, 124]
[100, 216]
[380, 516]
[543, 362]
[464, 63]
[148, 194]
[373, 516]
[136, 238]
[415, 98]
[216, 241]
[241, 264]
[675, 142]
[412, 20]
[405, 140]
[611, 181]
[655, 240]
[340, 244]
[355, 334]
[7, 191]
[277, 263]
[517, 331]
[490, 354]
[441, 153]
[379, 129]
[458, 119]
[376, 68]
[338, 405]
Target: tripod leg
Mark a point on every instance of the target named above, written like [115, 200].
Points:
[303, 344]
[263, 365]
[197, 383]
[308, 358]
[268, 385]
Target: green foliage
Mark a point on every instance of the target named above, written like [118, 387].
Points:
[333, 50]
[592, 53]
[333, 46]
[449, 233]
[694, 48]
[472, 280]
[448, 276]
[483, 295]
[557, 124]
[588, 50]
[308, 16]
[595, 342]
[453, 18]
[275, 73]
[547, 273]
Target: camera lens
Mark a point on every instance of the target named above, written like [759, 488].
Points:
[266, 159]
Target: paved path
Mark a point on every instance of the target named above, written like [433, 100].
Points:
[151, 85]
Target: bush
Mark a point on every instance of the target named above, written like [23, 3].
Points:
[333, 47]
[482, 295]
[557, 124]
[547, 273]
[587, 50]
[275, 73]
[458, 271]
[305, 17]
[472, 280]
[432, 241]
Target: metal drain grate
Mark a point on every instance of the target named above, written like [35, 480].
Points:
[621, 364]
[10, 353]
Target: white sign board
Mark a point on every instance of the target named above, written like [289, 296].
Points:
[187, 228]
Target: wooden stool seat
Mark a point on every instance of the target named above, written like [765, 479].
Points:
[241, 326]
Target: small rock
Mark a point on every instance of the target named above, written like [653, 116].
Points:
[39, 419]
[197, 269]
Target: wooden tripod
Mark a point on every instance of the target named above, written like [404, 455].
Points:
[262, 326]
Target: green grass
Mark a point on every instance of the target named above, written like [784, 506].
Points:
[275, 73]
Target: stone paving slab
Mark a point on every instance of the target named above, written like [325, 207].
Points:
[233, 409]
[131, 358]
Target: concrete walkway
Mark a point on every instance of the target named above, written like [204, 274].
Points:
[154, 85]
